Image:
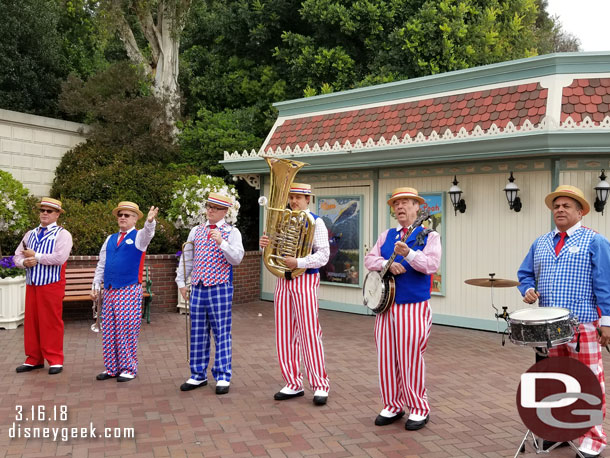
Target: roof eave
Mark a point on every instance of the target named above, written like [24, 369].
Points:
[525, 145]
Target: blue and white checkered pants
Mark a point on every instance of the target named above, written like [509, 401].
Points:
[211, 310]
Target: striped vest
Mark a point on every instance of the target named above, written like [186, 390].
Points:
[412, 286]
[566, 280]
[210, 265]
[42, 274]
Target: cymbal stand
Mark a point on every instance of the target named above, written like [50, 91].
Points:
[537, 445]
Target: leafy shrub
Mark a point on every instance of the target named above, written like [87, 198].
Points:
[16, 214]
[188, 207]
[123, 114]
[91, 223]
[90, 173]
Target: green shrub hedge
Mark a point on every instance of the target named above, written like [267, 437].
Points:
[91, 223]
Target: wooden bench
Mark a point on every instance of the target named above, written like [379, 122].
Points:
[79, 281]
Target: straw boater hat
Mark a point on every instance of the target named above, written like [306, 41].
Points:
[129, 206]
[219, 199]
[51, 203]
[301, 188]
[566, 190]
[405, 193]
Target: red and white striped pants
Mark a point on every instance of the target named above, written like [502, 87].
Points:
[401, 336]
[590, 354]
[297, 329]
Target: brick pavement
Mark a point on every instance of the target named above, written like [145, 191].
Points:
[472, 382]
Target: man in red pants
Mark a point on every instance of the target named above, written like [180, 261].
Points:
[44, 251]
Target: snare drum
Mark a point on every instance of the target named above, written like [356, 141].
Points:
[541, 326]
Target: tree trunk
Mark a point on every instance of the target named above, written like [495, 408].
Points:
[166, 86]
[164, 40]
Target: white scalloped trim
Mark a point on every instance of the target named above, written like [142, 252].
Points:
[547, 124]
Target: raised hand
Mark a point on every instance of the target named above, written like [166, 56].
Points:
[152, 213]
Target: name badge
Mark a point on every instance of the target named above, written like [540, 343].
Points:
[574, 249]
[129, 242]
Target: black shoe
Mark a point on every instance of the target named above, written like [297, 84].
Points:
[383, 421]
[28, 368]
[104, 376]
[548, 444]
[279, 396]
[320, 400]
[414, 425]
[189, 386]
[222, 389]
[55, 370]
[120, 378]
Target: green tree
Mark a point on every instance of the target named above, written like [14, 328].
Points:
[121, 111]
[32, 64]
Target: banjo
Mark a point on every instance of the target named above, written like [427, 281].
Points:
[379, 288]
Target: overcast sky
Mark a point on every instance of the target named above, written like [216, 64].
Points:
[586, 19]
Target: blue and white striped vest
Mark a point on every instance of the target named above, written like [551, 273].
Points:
[42, 274]
[566, 280]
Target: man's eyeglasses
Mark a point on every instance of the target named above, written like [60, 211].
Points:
[213, 207]
[123, 215]
[46, 210]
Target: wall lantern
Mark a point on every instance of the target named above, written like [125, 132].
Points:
[601, 192]
[511, 190]
[455, 193]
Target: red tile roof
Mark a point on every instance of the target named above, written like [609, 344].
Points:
[468, 110]
[586, 97]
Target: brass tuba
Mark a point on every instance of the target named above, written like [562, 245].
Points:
[290, 232]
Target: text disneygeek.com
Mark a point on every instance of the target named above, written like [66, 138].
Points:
[25, 416]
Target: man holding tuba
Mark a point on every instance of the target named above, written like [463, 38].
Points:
[217, 247]
[297, 325]
[402, 332]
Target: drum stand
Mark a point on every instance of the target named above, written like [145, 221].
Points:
[537, 445]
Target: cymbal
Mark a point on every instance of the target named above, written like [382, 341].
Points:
[489, 282]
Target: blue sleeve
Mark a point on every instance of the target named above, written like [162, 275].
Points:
[600, 260]
[526, 274]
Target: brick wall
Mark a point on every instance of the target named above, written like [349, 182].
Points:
[163, 274]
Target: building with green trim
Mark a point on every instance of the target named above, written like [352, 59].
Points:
[545, 119]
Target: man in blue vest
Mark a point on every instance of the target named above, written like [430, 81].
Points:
[402, 332]
[120, 266]
[569, 267]
[44, 252]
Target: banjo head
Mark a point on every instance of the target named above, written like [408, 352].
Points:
[374, 291]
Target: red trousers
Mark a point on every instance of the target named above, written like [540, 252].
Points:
[43, 328]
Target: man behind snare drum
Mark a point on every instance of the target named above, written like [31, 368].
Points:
[568, 267]
[406, 325]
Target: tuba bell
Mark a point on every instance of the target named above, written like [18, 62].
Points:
[290, 232]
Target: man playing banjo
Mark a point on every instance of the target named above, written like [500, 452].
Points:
[402, 331]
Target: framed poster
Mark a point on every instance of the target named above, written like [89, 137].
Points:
[435, 203]
[343, 218]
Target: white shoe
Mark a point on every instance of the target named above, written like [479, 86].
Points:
[290, 391]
